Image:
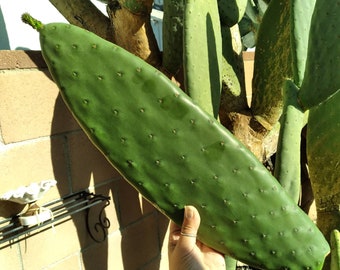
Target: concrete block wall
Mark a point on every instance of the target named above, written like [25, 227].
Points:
[40, 140]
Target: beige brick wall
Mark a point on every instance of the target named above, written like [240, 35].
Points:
[248, 59]
[40, 140]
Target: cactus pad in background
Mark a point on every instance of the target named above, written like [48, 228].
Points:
[203, 54]
[323, 155]
[287, 161]
[301, 15]
[175, 154]
[231, 12]
[322, 74]
[173, 35]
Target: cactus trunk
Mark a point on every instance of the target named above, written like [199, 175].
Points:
[271, 69]
[133, 30]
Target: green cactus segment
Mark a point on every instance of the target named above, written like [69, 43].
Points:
[323, 60]
[335, 253]
[231, 12]
[175, 154]
[287, 161]
[229, 64]
[233, 96]
[28, 19]
[323, 154]
[301, 15]
[173, 35]
[272, 63]
[203, 54]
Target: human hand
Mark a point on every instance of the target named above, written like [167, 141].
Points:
[185, 252]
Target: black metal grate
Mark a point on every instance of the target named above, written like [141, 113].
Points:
[11, 231]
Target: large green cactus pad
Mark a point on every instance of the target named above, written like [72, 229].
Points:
[175, 154]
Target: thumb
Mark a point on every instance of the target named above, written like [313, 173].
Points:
[190, 227]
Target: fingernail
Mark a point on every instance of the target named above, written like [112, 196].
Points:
[189, 213]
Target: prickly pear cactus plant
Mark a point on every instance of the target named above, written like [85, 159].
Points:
[200, 133]
[142, 149]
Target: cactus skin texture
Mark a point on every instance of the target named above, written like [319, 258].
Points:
[176, 154]
[203, 54]
[321, 77]
[287, 161]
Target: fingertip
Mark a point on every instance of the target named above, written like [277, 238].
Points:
[191, 220]
[190, 212]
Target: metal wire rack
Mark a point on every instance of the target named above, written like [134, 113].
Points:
[11, 230]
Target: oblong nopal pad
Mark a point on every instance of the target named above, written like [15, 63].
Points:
[175, 154]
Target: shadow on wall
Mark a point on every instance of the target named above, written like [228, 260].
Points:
[4, 41]
[77, 165]
[86, 169]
